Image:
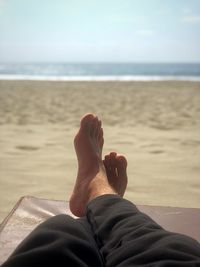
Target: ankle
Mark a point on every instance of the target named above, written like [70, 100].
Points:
[99, 187]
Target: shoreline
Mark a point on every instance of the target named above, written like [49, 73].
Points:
[123, 78]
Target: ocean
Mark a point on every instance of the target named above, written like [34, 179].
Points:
[100, 71]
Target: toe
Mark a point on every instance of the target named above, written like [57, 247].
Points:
[106, 158]
[107, 166]
[86, 118]
[86, 121]
[93, 127]
[121, 166]
[113, 155]
[97, 130]
[100, 137]
[113, 159]
[122, 160]
[113, 164]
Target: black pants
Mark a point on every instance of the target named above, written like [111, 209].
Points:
[113, 233]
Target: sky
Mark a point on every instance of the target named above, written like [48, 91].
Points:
[99, 30]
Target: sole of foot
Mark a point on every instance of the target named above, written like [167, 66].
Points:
[91, 180]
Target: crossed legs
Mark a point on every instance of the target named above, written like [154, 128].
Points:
[111, 230]
[92, 179]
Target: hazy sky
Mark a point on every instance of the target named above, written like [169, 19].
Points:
[100, 30]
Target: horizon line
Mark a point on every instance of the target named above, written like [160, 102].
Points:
[99, 62]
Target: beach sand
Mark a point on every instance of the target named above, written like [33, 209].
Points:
[155, 124]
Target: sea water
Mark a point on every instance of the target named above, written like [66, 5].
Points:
[100, 71]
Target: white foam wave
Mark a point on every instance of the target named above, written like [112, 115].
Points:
[99, 78]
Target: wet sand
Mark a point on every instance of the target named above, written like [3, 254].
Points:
[155, 124]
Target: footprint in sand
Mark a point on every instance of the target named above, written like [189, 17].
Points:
[157, 151]
[27, 148]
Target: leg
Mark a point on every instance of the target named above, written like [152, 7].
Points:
[59, 241]
[125, 236]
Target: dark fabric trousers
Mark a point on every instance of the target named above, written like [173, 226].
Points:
[113, 233]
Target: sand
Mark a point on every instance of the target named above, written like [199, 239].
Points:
[155, 124]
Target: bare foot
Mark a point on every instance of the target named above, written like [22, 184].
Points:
[116, 172]
[91, 179]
